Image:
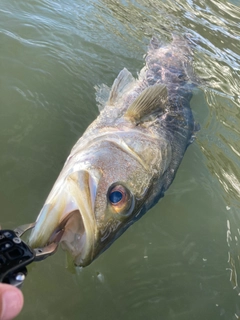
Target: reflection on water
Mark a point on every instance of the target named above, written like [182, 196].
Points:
[180, 261]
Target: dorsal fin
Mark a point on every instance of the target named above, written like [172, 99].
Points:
[150, 100]
[120, 84]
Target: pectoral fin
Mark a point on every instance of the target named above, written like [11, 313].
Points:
[151, 100]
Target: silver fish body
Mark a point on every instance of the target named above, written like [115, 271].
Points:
[127, 157]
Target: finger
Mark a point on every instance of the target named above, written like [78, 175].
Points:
[11, 301]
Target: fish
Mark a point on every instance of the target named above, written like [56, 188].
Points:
[128, 156]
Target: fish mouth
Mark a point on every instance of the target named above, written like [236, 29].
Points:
[71, 233]
[67, 217]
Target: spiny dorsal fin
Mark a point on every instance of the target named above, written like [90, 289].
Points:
[150, 100]
[120, 84]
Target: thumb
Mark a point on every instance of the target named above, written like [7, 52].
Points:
[11, 301]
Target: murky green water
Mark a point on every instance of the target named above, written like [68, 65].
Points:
[181, 260]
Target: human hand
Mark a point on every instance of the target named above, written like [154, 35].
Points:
[11, 301]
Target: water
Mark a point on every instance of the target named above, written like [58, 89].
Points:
[181, 260]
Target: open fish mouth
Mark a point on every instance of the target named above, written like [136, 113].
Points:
[67, 217]
[70, 232]
[63, 226]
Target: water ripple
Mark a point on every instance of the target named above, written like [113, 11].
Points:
[52, 55]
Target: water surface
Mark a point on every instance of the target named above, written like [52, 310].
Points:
[181, 260]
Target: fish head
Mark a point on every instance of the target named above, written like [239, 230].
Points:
[98, 194]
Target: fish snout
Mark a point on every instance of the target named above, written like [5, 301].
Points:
[68, 216]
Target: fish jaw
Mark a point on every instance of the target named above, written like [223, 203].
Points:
[68, 217]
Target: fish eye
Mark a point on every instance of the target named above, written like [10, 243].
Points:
[119, 198]
[115, 197]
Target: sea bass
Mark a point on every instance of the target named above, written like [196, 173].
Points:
[126, 159]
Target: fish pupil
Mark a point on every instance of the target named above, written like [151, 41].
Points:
[115, 197]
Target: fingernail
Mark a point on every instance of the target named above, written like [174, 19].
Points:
[12, 302]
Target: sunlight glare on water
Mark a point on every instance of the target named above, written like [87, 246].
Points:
[181, 261]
